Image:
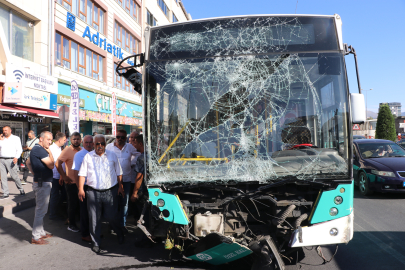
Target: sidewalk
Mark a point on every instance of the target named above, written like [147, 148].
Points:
[17, 202]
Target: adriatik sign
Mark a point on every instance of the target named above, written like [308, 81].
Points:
[102, 43]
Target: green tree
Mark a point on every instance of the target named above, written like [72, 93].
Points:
[385, 124]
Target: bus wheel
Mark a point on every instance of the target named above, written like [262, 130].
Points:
[364, 185]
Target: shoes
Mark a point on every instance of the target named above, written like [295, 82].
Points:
[4, 197]
[48, 235]
[22, 192]
[73, 228]
[124, 230]
[86, 239]
[23, 182]
[96, 249]
[40, 241]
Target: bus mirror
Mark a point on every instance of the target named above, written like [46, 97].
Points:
[134, 78]
[358, 108]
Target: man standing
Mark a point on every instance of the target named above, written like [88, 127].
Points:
[124, 152]
[57, 182]
[104, 180]
[77, 163]
[40, 164]
[32, 140]
[10, 152]
[68, 178]
[140, 185]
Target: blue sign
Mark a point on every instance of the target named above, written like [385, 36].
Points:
[71, 21]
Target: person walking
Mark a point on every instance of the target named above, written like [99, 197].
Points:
[10, 152]
[124, 151]
[88, 146]
[57, 181]
[66, 157]
[40, 164]
[104, 180]
[32, 140]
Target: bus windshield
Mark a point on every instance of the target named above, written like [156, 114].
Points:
[262, 112]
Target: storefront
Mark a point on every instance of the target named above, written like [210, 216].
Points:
[95, 112]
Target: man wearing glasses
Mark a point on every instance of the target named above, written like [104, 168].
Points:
[124, 152]
[104, 184]
[88, 146]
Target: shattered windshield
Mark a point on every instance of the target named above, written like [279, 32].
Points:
[248, 117]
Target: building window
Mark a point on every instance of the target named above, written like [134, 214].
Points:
[121, 83]
[87, 11]
[174, 19]
[164, 8]
[131, 7]
[125, 40]
[19, 33]
[74, 56]
[150, 19]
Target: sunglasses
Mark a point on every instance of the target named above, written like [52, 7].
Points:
[120, 137]
[100, 143]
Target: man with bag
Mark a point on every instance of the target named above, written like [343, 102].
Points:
[32, 140]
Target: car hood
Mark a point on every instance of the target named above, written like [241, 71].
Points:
[394, 163]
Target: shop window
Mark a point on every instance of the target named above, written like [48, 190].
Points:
[124, 39]
[86, 10]
[77, 58]
[20, 36]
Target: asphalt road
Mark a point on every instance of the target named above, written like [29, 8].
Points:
[377, 244]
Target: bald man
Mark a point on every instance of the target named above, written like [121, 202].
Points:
[88, 146]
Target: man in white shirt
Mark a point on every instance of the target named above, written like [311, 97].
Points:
[57, 181]
[104, 181]
[10, 152]
[88, 146]
[124, 151]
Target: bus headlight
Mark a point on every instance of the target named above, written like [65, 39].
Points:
[160, 203]
[383, 173]
[333, 211]
[338, 200]
[333, 232]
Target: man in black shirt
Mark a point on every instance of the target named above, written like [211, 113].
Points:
[40, 164]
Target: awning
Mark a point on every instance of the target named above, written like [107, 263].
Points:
[22, 109]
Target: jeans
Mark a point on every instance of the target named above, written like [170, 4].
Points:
[8, 165]
[124, 203]
[55, 198]
[102, 203]
[41, 200]
[73, 202]
[84, 216]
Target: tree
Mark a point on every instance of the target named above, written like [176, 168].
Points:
[385, 124]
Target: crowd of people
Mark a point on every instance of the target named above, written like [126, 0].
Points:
[99, 180]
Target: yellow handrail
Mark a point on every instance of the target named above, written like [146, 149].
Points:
[194, 159]
[171, 144]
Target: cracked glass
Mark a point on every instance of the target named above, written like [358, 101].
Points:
[246, 99]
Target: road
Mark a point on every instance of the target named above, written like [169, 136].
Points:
[377, 244]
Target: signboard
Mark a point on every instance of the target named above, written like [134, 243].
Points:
[39, 99]
[74, 108]
[31, 79]
[62, 99]
[12, 93]
[356, 127]
[12, 124]
[114, 114]
[402, 125]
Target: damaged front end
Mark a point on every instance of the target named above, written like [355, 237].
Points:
[218, 224]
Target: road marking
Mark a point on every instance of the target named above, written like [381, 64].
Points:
[388, 249]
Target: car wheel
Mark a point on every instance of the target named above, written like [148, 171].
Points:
[364, 184]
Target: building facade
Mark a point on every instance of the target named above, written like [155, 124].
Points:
[161, 12]
[395, 108]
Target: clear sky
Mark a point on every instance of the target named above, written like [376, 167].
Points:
[375, 28]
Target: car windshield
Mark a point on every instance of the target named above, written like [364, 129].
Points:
[381, 150]
[248, 117]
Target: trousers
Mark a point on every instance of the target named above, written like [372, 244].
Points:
[42, 201]
[7, 165]
[73, 202]
[102, 203]
[84, 216]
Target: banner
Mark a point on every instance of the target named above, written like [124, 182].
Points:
[114, 114]
[73, 124]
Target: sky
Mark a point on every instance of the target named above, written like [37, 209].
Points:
[376, 29]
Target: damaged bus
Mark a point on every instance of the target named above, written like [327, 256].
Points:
[247, 127]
